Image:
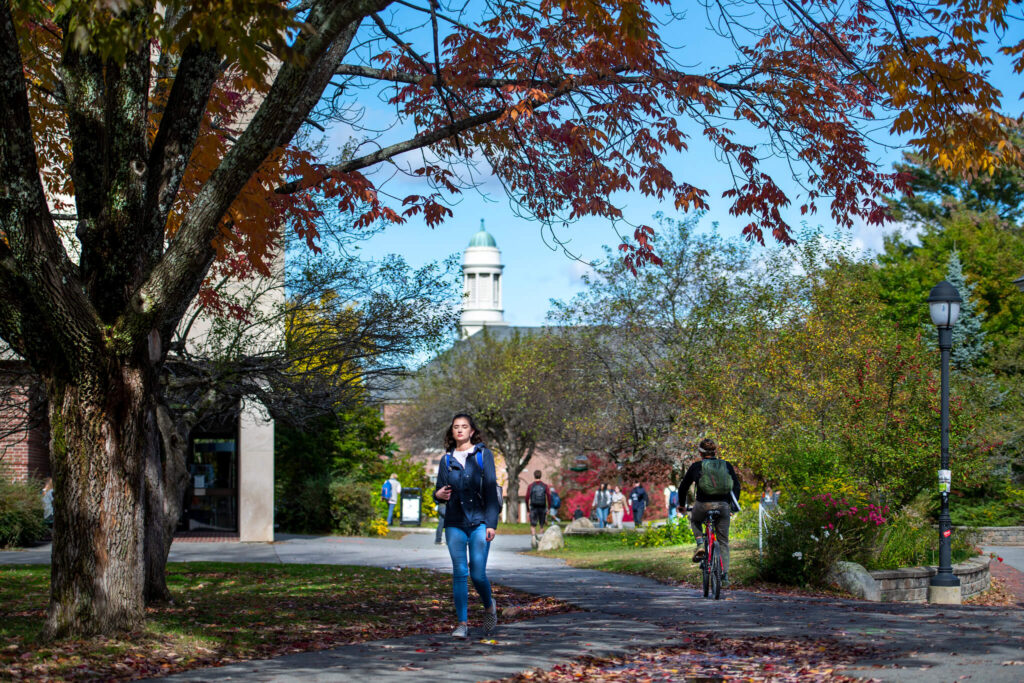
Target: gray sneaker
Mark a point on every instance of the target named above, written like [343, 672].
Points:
[461, 631]
[491, 619]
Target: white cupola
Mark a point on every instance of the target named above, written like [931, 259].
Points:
[481, 279]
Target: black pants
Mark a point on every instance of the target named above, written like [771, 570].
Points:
[638, 516]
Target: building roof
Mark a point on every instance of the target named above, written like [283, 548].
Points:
[483, 238]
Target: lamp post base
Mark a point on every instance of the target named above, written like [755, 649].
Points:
[944, 595]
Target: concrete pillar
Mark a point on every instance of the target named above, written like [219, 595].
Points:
[944, 595]
[255, 474]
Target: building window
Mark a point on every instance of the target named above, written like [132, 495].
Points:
[471, 287]
[497, 290]
[481, 294]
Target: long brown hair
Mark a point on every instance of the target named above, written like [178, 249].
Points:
[449, 438]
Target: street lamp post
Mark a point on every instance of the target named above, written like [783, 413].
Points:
[944, 306]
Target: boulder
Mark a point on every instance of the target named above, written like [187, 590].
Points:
[552, 539]
[579, 525]
[856, 580]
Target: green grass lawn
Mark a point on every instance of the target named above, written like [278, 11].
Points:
[670, 564]
[232, 612]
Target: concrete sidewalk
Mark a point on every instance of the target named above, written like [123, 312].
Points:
[915, 642]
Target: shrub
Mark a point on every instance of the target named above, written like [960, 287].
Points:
[676, 532]
[814, 532]
[910, 541]
[997, 503]
[352, 507]
[306, 507]
[411, 474]
[21, 513]
[743, 524]
[379, 527]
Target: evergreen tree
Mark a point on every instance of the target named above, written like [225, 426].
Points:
[969, 344]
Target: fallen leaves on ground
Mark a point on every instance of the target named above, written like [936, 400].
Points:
[713, 658]
[226, 613]
[997, 595]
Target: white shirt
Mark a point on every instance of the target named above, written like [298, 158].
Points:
[461, 456]
[396, 490]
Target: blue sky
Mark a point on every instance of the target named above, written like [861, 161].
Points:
[536, 270]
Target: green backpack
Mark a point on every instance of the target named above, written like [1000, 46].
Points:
[715, 479]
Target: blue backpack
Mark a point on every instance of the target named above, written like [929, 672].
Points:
[556, 502]
[673, 499]
[385, 491]
[480, 464]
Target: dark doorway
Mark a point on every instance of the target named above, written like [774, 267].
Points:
[211, 497]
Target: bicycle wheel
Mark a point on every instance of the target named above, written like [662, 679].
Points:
[715, 570]
[705, 575]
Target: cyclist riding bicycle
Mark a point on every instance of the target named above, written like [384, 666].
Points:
[717, 488]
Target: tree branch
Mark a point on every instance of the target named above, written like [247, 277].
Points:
[163, 298]
[38, 284]
[390, 151]
[176, 138]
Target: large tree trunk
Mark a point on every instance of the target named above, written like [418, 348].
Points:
[100, 433]
[166, 479]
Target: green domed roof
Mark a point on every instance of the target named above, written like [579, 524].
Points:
[483, 238]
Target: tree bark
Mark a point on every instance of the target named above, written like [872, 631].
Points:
[100, 431]
[166, 478]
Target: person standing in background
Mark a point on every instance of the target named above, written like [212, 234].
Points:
[638, 501]
[671, 501]
[602, 503]
[48, 501]
[618, 507]
[395, 490]
[556, 502]
[538, 500]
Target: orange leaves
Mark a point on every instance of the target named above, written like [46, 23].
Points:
[940, 87]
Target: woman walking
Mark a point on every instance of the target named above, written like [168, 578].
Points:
[618, 507]
[602, 503]
[468, 486]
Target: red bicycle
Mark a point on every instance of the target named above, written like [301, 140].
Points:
[711, 567]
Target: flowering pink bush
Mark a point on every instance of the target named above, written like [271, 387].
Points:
[815, 532]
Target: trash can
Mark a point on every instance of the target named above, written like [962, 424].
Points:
[412, 508]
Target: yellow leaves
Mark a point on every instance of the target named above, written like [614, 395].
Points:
[939, 88]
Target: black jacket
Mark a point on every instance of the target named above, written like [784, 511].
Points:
[641, 499]
[693, 476]
[474, 499]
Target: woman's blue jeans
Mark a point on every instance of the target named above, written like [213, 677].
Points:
[475, 541]
[602, 517]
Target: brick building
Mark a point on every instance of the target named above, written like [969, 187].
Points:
[24, 435]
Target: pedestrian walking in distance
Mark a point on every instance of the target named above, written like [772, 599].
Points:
[638, 500]
[390, 492]
[671, 501]
[538, 500]
[602, 504]
[468, 486]
[618, 507]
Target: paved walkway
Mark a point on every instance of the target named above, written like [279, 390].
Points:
[916, 642]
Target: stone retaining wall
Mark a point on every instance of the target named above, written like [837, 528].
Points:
[911, 584]
[999, 535]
